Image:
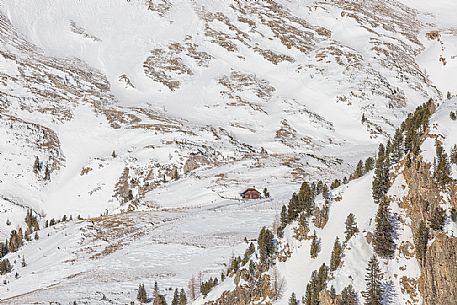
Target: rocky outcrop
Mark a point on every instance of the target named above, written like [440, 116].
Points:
[249, 290]
[195, 161]
[438, 280]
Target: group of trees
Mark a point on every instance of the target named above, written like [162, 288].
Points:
[317, 283]
[17, 237]
[415, 126]
[38, 168]
[52, 221]
[179, 298]
[205, 287]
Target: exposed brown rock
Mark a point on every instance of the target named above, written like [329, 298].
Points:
[438, 280]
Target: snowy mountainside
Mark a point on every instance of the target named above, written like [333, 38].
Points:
[409, 276]
[169, 109]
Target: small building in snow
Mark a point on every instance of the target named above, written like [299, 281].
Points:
[250, 193]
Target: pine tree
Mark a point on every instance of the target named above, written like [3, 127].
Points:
[369, 164]
[47, 173]
[36, 237]
[159, 300]
[265, 242]
[351, 226]
[442, 168]
[315, 246]
[156, 288]
[373, 293]
[359, 170]
[284, 218]
[114, 154]
[336, 256]
[175, 300]
[454, 214]
[397, 146]
[5, 266]
[383, 241]
[266, 194]
[380, 182]
[293, 299]
[348, 296]
[142, 297]
[454, 154]
[182, 297]
[36, 165]
[23, 261]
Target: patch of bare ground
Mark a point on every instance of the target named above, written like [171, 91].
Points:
[161, 7]
[167, 65]
[239, 86]
[116, 230]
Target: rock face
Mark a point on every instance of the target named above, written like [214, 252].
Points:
[253, 291]
[194, 162]
[438, 280]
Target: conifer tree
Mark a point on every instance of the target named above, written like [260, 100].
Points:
[175, 300]
[380, 184]
[142, 296]
[348, 296]
[369, 164]
[336, 255]
[359, 170]
[454, 214]
[5, 266]
[36, 165]
[325, 191]
[387, 153]
[383, 241]
[442, 167]
[293, 299]
[397, 146]
[351, 226]
[159, 300]
[156, 288]
[265, 242]
[315, 246]
[454, 154]
[373, 293]
[47, 173]
[182, 297]
[23, 261]
[283, 217]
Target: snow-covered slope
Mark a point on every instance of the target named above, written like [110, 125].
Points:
[177, 106]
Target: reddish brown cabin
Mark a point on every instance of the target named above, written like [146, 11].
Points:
[250, 193]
